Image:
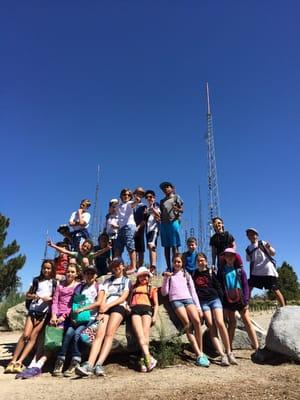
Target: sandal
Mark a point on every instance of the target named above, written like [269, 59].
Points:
[10, 368]
[17, 368]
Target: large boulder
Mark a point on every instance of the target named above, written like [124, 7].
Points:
[16, 317]
[283, 336]
[241, 339]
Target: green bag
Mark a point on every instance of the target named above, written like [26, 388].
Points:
[79, 301]
[53, 338]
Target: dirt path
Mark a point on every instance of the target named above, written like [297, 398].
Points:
[245, 381]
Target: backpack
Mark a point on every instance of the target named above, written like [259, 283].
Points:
[80, 300]
[234, 295]
[262, 247]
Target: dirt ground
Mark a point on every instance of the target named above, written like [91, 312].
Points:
[245, 381]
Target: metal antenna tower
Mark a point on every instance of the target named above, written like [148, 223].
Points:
[213, 191]
[201, 227]
[95, 226]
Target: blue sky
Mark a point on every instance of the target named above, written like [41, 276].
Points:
[122, 84]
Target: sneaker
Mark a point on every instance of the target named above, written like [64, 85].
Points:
[71, 370]
[152, 365]
[130, 271]
[202, 361]
[224, 361]
[59, 364]
[232, 359]
[31, 372]
[142, 365]
[18, 367]
[84, 370]
[10, 368]
[99, 370]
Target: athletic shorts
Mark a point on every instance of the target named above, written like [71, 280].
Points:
[208, 305]
[233, 306]
[118, 309]
[181, 303]
[169, 232]
[139, 241]
[260, 282]
[125, 239]
[151, 238]
[141, 309]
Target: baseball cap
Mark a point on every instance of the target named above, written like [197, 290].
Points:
[252, 230]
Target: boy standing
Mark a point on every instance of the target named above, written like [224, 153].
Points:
[263, 273]
[171, 207]
[139, 213]
[152, 227]
[190, 256]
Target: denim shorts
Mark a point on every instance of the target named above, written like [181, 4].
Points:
[125, 238]
[181, 303]
[210, 304]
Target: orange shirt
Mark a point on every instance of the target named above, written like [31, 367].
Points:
[141, 295]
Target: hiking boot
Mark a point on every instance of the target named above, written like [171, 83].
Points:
[71, 370]
[232, 359]
[99, 370]
[224, 361]
[202, 361]
[84, 370]
[59, 364]
[142, 365]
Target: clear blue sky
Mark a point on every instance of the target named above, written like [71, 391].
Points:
[122, 84]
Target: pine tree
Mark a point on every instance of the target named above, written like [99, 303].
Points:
[10, 262]
[288, 282]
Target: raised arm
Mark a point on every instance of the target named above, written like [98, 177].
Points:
[59, 249]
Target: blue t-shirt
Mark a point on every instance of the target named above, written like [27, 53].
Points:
[190, 261]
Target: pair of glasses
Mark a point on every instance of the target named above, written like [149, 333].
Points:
[149, 197]
[125, 194]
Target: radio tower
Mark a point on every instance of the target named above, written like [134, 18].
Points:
[95, 226]
[213, 191]
[201, 228]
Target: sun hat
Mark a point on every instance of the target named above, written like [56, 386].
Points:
[252, 230]
[163, 185]
[143, 271]
[229, 250]
[113, 201]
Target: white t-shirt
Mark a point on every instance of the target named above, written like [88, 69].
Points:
[86, 216]
[45, 288]
[262, 266]
[125, 214]
[112, 220]
[91, 293]
[114, 288]
[152, 224]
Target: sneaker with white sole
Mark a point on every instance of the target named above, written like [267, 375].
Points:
[71, 370]
[202, 361]
[232, 359]
[152, 365]
[59, 364]
[142, 365]
[224, 361]
[99, 370]
[84, 370]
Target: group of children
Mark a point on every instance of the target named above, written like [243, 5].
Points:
[68, 294]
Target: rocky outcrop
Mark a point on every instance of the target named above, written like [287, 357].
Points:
[16, 316]
[283, 336]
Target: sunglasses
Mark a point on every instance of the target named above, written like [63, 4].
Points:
[149, 197]
[125, 194]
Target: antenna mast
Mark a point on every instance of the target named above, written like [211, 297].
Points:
[95, 227]
[201, 227]
[213, 190]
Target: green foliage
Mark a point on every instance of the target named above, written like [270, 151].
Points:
[10, 262]
[288, 283]
[167, 352]
[11, 300]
